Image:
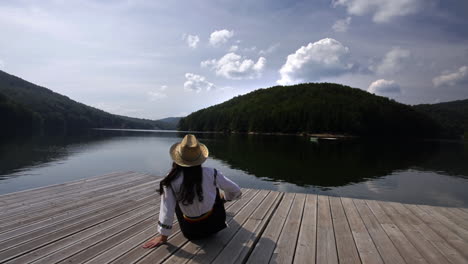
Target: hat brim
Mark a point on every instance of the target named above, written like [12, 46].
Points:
[174, 152]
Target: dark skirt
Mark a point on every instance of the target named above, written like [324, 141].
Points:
[210, 225]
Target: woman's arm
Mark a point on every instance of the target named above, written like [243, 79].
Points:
[231, 190]
[166, 212]
[166, 217]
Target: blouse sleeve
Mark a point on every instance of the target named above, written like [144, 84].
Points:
[231, 190]
[166, 212]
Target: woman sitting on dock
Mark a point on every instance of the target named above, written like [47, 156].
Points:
[191, 192]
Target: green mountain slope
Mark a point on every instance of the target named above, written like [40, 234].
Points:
[55, 112]
[452, 116]
[313, 108]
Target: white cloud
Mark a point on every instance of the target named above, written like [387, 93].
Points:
[197, 83]
[269, 50]
[155, 95]
[233, 66]
[192, 40]
[251, 49]
[2, 64]
[220, 37]
[381, 10]
[452, 78]
[385, 88]
[233, 48]
[342, 25]
[326, 57]
[393, 62]
[158, 93]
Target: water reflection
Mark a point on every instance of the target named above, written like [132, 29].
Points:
[411, 171]
[334, 163]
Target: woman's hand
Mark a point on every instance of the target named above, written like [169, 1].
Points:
[155, 242]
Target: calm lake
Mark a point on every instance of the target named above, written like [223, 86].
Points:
[426, 172]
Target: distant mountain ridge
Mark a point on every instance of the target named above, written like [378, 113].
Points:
[452, 116]
[313, 108]
[44, 109]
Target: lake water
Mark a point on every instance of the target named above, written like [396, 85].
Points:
[425, 172]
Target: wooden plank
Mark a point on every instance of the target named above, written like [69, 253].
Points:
[326, 249]
[177, 240]
[52, 213]
[401, 242]
[427, 250]
[367, 250]
[63, 199]
[345, 245]
[462, 232]
[110, 241]
[266, 244]
[387, 250]
[62, 224]
[84, 239]
[51, 194]
[307, 241]
[286, 245]
[448, 251]
[452, 215]
[135, 240]
[443, 231]
[12, 249]
[38, 190]
[46, 220]
[237, 250]
[459, 211]
[264, 227]
[208, 251]
[37, 207]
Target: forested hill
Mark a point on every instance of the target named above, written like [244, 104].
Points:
[25, 107]
[313, 108]
[453, 116]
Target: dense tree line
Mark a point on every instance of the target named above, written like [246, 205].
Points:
[313, 108]
[15, 118]
[32, 107]
[452, 116]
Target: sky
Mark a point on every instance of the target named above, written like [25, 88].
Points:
[157, 59]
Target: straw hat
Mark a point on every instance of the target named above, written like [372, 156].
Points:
[189, 152]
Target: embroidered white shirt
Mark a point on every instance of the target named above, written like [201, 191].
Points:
[168, 199]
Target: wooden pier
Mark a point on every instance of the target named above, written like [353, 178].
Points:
[106, 219]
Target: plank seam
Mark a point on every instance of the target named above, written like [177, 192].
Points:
[122, 221]
[397, 227]
[282, 227]
[436, 233]
[72, 233]
[300, 227]
[58, 184]
[241, 224]
[369, 233]
[333, 226]
[246, 258]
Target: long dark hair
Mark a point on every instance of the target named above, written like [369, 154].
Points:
[191, 183]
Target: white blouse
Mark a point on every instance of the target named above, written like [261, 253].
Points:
[168, 199]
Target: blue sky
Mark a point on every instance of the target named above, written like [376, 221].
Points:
[155, 59]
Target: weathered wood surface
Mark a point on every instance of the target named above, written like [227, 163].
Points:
[106, 219]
